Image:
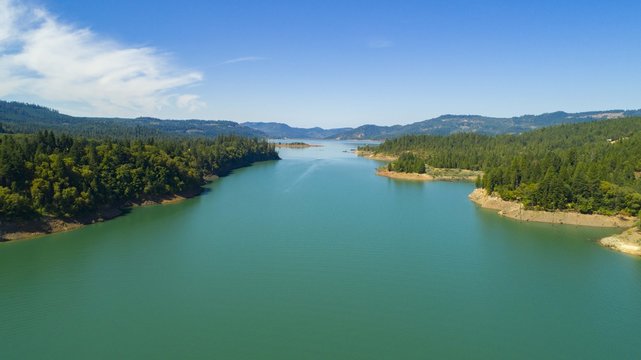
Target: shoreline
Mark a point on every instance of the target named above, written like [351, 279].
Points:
[434, 174]
[375, 156]
[517, 211]
[629, 241]
[404, 176]
[295, 146]
[431, 173]
[30, 229]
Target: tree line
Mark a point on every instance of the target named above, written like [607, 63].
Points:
[407, 162]
[16, 117]
[45, 174]
[590, 168]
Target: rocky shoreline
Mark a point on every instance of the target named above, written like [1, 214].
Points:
[517, 211]
[628, 242]
[375, 156]
[434, 174]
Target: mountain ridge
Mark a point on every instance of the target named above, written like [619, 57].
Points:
[445, 125]
[19, 117]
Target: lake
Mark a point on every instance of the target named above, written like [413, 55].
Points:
[316, 257]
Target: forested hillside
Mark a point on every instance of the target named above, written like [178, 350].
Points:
[591, 168]
[27, 118]
[284, 131]
[63, 176]
[452, 124]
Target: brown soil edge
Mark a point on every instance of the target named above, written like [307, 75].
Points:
[375, 156]
[434, 174]
[517, 211]
[629, 241]
[22, 230]
[425, 177]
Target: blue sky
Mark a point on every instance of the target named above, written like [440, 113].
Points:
[321, 63]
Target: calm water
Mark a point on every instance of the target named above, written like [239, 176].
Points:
[315, 257]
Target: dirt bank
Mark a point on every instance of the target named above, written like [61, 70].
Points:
[436, 174]
[375, 156]
[404, 176]
[628, 242]
[516, 211]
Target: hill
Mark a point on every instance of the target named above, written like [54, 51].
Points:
[592, 167]
[19, 117]
[451, 124]
[283, 131]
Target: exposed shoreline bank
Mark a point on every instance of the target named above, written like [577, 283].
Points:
[434, 174]
[431, 174]
[404, 176]
[629, 241]
[29, 229]
[517, 211]
[375, 156]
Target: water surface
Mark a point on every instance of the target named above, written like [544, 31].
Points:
[315, 257]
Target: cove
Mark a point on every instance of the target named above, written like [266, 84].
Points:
[316, 257]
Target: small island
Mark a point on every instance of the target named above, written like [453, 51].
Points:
[295, 145]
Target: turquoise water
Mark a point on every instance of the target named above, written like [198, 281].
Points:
[315, 257]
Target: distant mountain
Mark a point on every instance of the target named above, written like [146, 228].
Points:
[18, 117]
[449, 124]
[284, 131]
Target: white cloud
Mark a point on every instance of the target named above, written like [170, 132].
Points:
[44, 58]
[190, 101]
[243, 59]
[380, 43]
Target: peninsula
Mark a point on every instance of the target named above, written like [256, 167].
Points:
[517, 211]
[582, 174]
[431, 174]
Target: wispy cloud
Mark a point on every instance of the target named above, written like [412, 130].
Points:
[380, 43]
[243, 59]
[42, 57]
[190, 102]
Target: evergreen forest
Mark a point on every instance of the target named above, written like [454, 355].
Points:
[589, 168]
[47, 174]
